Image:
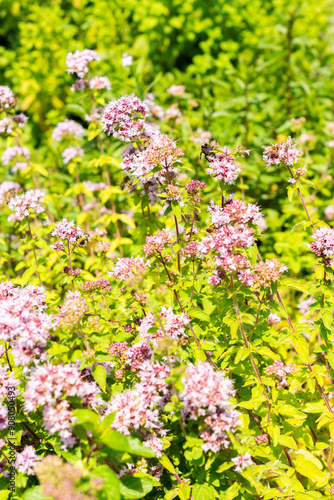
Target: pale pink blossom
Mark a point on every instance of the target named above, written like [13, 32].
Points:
[176, 90]
[78, 61]
[94, 186]
[235, 212]
[242, 461]
[323, 244]
[59, 419]
[7, 97]
[70, 153]
[8, 186]
[3, 417]
[124, 118]
[126, 60]
[67, 230]
[128, 267]
[157, 242]
[6, 126]
[100, 83]
[201, 136]
[280, 370]
[7, 380]
[27, 460]
[67, 127]
[19, 167]
[273, 319]
[9, 154]
[304, 305]
[25, 204]
[284, 152]
[329, 211]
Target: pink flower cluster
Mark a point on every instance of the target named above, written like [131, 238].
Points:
[67, 127]
[280, 370]
[90, 286]
[234, 212]
[100, 83]
[25, 204]
[70, 153]
[242, 461]
[157, 242]
[124, 118]
[284, 152]
[9, 154]
[6, 380]
[176, 90]
[23, 323]
[224, 167]
[127, 268]
[26, 461]
[194, 186]
[323, 244]
[6, 126]
[48, 385]
[206, 395]
[66, 230]
[265, 273]
[78, 61]
[7, 97]
[94, 186]
[273, 319]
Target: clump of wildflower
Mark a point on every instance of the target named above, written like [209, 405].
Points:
[91, 286]
[66, 230]
[176, 90]
[67, 127]
[206, 395]
[8, 186]
[59, 419]
[27, 460]
[9, 154]
[174, 324]
[126, 60]
[58, 246]
[70, 153]
[126, 268]
[78, 61]
[323, 244]
[223, 165]
[157, 242]
[7, 97]
[234, 212]
[6, 126]
[267, 272]
[190, 250]
[25, 204]
[100, 83]
[304, 305]
[280, 370]
[242, 461]
[6, 380]
[194, 186]
[262, 439]
[273, 319]
[124, 118]
[72, 311]
[94, 186]
[284, 152]
[20, 119]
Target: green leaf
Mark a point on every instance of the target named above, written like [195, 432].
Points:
[135, 487]
[116, 441]
[164, 460]
[100, 376]
[287, 441]
[301, 346]
[32, 494]
[291, 411]
[327, 318]
[203, 492]
[309, 469]
[87, 418]
[293, 283]
[111, 483]
[27, 275]
[4, 494]
[199, 314]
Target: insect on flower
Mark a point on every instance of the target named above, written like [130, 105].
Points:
[83, 240]
[207, 151]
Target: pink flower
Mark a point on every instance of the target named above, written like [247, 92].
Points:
[25, 204]
[323, 244]
[126, 60]
[124, 118]
[66, 230]
[234, 212]
[177, 90]
[194, 186]
[67, 127]
[126, 268]
[223, 166]
[273, 319]
[242, 461]
[304, 305]
[70, 153]
[94, 186]
[7, 97]
[174, 325]
[78, 61]
[7, 380]
[27, 460]
[329, 210]
[100, 83]
[267, 272]
[157, 242]
[3, 417]
[59, 419]
[284, 152]
[6, 126]
[9, 154]
[201, 136]
[280, 370]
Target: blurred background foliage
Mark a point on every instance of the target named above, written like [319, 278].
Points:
[252, 66]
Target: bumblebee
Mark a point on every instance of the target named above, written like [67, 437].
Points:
[10, 194]
[83, 240]
[146, 142]
[207, 151]
[211, 229]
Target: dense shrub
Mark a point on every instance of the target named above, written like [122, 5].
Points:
[166, 293]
